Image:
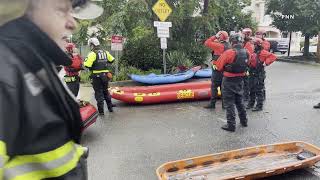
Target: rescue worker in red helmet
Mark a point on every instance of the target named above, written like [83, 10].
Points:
[257, 72]
[72, 78]
[266, 46]
[233, 63]
[248, 41]
[218, 44]
[249, 45]
[265, 43]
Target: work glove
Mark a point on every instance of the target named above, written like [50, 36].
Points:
[214, 67]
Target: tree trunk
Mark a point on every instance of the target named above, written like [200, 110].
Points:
[205, 7]
[306, 45]
[290, 39]
[205, 13]
[318, 60]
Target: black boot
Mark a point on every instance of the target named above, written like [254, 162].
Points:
[317, 106]
[244, 123]
[211, 105]
[110, 108]
[250, 105]
[100, 109]
[229, 128]
[257, 108]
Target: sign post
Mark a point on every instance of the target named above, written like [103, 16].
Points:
[117, 45]
[163, 11]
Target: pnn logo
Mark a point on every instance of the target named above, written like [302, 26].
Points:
[287, 16]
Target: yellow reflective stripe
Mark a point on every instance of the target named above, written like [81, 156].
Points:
[110, 57]
[43, 157]
[69, 79]
[46, 165]
[3, 157]
[3, 149]
[90, 59]
[38, 171]
[100, 71]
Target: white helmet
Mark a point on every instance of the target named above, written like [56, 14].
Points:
[95, 41]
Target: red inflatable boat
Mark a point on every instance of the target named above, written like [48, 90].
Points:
[89, 114]
[163, 93]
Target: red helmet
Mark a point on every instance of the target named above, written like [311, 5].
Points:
[223, 35]
[247, 31]
[70, 47]
[258, 41]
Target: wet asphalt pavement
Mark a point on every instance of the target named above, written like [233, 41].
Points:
[132, 142]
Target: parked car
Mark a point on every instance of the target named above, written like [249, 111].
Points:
[279, 45]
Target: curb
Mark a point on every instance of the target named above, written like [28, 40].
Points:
[298, 62]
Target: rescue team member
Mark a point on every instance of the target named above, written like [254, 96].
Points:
[98, 61]
[233, 63]
[218, 44]
[249, 45]
[265, 43]
[39, 139]
[72, 78]
[266, 46]
[257, 72]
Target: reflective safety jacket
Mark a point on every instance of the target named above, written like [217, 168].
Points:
[98, 61]
[40, 122]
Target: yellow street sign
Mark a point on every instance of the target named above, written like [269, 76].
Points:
[162, 10]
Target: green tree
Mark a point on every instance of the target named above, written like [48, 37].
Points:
[228, 15]
[306, 17]
[134, 20]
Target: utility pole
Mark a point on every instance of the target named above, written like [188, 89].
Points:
[290, 39]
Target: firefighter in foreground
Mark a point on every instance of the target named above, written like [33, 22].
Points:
[39, 118]
[72, 78]
[98, 62]
[218, 44]
[234, 63]
[257, 72]
[249, 45]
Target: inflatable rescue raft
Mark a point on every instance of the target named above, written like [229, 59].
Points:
[89, 114]
[163, 93]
